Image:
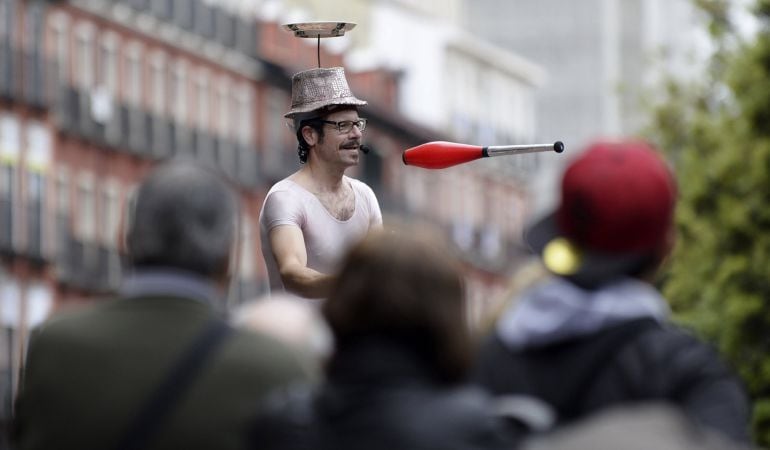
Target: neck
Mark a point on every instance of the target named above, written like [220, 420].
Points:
[320, 178]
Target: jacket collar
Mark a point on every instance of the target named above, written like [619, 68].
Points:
[557, 310]
[170, 282]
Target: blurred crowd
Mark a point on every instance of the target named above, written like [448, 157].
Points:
[374, 349]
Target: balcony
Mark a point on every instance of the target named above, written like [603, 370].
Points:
[35, 84]
[161, 137]
[275, 163]
[203, 145]
[225, 27]
[203, 19]
[23, 70]
[247, 173]
[181, 140]
[183, 14]
[138, 138]
[9, 70]
[67, 111]
[35, 234]
[86, 266]
[6, 225]
[246, 37]
[226, 158]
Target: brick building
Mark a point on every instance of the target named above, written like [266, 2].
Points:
[94, 92]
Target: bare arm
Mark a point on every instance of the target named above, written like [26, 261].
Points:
[290, 255]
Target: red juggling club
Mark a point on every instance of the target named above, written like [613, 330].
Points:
[440, 154]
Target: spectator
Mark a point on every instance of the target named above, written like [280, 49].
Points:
[290, 320]
[596, 333]
[396, 379]
[157, 367]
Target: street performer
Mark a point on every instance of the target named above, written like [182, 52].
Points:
[310, 218]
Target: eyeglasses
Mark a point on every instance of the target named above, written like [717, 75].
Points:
[346, 126]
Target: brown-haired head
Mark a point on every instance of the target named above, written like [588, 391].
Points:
[404, 285]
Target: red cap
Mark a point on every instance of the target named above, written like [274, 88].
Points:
[617, 197]
[616, 209]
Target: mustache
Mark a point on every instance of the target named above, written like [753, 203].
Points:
[354, 143]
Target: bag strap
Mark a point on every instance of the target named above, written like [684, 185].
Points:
[176, 382]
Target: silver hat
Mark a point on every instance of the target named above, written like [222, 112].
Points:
[319, 88]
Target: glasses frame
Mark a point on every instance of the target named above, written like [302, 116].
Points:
[360, 123]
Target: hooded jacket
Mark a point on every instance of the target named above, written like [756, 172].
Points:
[585, 350]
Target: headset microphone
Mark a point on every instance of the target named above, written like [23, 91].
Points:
[364, 148]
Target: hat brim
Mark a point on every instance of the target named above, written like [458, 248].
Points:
[313, 106]
[592, 268]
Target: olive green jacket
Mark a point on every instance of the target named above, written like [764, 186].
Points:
[88, 373]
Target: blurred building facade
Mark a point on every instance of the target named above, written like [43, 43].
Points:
[93, 93]
[604, 60]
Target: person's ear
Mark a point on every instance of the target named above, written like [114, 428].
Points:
[310, 135]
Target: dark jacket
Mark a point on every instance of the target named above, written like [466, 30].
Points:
[381, 396]
[633, 359]
[88, 373]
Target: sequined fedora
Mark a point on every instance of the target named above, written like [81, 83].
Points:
[319, 88]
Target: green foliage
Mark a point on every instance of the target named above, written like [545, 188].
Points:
[717, 134]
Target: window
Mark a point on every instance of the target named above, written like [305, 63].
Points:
[225, 150]
[202, 100]
[158, 68]
[6, 18]
[128, 209]
[34, 84]
[38, 156]
[37, 162]
[163, 9]
[183, 13]
[84, 55]
[178, 92]
[108, 64]
[62, 208]
[245, 282]
[223, 108]
[133, 71]
[10, 145]
[204, 17]
[86, 212]
[245, 119]
[33, 27]
[10, 319]
[7, 46]
[274, 150]
[225, 26]
[10, 304]
[246, 35]
[59, 25]
[109, 259]
[10, 139]
[246, 263]
[111, 211]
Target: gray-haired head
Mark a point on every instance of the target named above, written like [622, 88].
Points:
[183, 217]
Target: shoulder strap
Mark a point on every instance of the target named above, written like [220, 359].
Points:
[602, 353]
[176, 382]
